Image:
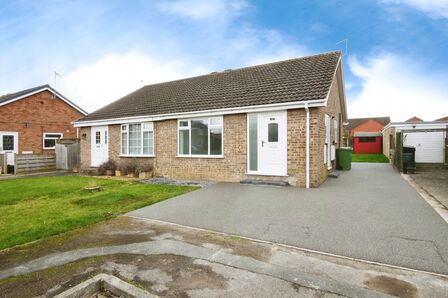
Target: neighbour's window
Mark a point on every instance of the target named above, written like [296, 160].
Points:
[367, 139]
[200, 137]
[7, 143]
[137, 139]
[50, 140]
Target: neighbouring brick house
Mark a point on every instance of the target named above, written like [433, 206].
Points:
[248, 123]
[33, 119]
[364, 135]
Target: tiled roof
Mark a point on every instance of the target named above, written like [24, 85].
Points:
[4, 99]
[355, 122]
[301, 79]
[9, 96]
[414, 119]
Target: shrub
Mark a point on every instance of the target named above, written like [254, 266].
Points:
[108, 165]
[129, 166]
[145, 168]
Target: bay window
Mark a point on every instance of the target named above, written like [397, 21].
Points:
[137, 139]
[200, 137]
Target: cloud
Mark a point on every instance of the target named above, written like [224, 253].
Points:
[201, 9]
[113, 76]
[434, 8]
[395, 86]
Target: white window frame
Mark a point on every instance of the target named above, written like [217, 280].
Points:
[142, 131]
[51, 133]
[208, 119]
[336, 129]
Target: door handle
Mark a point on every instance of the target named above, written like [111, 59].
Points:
[262, 143]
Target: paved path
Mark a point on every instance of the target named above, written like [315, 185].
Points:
[369, 213]
[184, 249]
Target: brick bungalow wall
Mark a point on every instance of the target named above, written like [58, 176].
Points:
[368, 126]
[233, 166]
[35, 115]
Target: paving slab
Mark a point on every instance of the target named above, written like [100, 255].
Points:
[369, 213]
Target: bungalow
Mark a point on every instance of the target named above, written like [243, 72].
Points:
[279, 121]
[32, 120]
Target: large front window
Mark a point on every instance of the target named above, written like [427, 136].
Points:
[137, 139]
[200, 137]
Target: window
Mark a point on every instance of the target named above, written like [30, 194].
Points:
[7, 143]
[273, 132]
[137, 139]
[327, 128]
[367, 139]
[253, 142]
[97, 137]
[200, 137]
[50, 139]
[336, 129]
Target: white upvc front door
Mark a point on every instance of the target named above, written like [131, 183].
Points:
[271, 144]
[9, 145]
[99, 145]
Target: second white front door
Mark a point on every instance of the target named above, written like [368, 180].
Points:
[99, 145]
[9, 145]
[271, 148]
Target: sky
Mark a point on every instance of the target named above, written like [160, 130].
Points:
[396, 64]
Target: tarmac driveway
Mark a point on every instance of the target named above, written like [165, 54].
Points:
[369, 213]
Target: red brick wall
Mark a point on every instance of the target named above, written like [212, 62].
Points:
[35, 115]
[368, 126]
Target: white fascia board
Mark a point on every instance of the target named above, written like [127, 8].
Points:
[64, 99]
[206, 113]
[417, 126]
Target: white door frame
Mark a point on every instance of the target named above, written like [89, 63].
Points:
[264, 151]
[99, 152]
[10, 153]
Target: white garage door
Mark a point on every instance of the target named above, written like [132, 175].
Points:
[429, 146]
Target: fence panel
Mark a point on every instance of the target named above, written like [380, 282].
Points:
[398, 153]
[26, 163]
[2, 163]
[67, 155]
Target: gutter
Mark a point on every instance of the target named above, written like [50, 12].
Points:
[205, 113]
[307, 145]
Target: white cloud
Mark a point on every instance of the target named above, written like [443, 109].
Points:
[94, 85]
[201, 9]
[397, 87]
[434, 8]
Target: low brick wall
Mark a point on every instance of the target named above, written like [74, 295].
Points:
[27, 163]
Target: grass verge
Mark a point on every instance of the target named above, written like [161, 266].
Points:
[36, 208]
[369, 158]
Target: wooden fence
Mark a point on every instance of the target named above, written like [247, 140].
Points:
[3, 163]
[67, 154]
[26, 163]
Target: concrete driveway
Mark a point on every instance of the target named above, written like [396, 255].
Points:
[369, 213]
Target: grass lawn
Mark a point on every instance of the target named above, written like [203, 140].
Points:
[35, 208]
[369, 158]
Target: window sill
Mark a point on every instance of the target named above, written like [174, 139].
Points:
[135, 155]
[49, 148]
[201, 156]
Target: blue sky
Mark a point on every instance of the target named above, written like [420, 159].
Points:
[396, 63]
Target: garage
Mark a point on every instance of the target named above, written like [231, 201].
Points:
[428, 138]
[429, 145]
